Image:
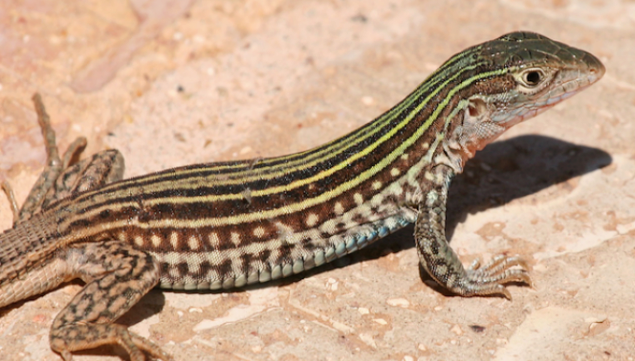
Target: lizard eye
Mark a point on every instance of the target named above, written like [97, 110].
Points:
[532, 77]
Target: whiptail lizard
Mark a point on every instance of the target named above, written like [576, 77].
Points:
[225, 225]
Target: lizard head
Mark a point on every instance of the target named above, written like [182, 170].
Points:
[517, 76]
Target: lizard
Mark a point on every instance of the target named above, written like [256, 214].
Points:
[230, 224]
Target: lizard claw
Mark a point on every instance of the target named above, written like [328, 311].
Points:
[490, 278]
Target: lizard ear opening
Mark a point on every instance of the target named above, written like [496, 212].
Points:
[477, 108]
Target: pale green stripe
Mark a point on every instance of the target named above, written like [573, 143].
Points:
[270, 214]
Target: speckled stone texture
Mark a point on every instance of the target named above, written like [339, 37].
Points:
[172, 82]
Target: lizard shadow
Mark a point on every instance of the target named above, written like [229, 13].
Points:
[503, 171]
[515, 168]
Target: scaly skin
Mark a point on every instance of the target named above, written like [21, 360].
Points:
[225, 225]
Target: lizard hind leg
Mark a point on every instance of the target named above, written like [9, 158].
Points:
[116, 276]
[63, 177]
[100, 169]
[51, 171]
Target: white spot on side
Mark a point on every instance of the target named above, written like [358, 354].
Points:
[328, 226]
[347, 218]
[214, 241]
[138, 240]
[174, 272]
[156, 241]
[358, 198]
[312, 220]
[404, 156]
[214, 258]
[376, 200]
[286, 235]
[365, 210]
[122, 236]
[396, 189]
[194, 243]
[391, 223]
[394, 172]
[376, 185]
[425, 145]
[338, 208]
[259, 232]
[173, 258]
[174, 240]
[284, 231]
[235, 237]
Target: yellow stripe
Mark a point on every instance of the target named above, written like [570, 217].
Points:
[250, 217]
[285, 168]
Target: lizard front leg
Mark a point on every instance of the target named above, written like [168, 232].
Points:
[441, 262]
[116, 276]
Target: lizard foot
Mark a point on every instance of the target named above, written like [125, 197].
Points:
[490, 278]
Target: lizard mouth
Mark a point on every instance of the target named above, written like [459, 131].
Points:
[541, 107]
[529, 113]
